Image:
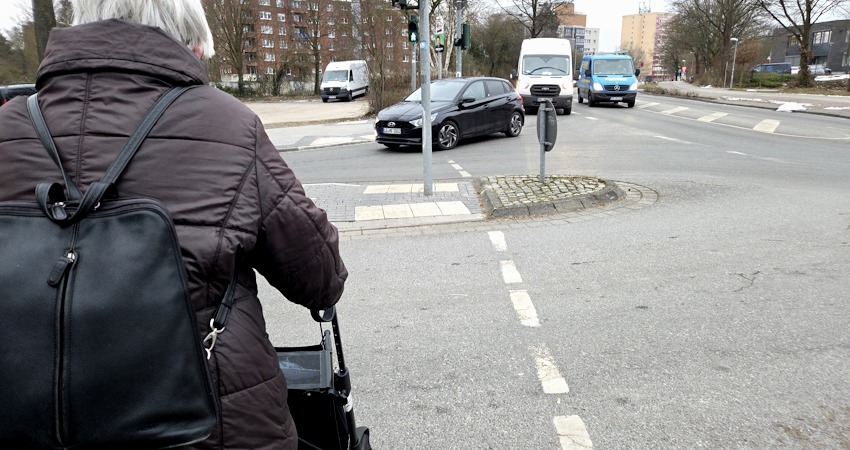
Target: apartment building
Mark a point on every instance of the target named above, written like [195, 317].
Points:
[647, 33]
[573, 26]
[284, 38]
[830, 45]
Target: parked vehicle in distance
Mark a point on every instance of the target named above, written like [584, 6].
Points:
[608, 77]
[819, 69]
[795, 70]
[344, 80]
[9, 92]
[545, 70]
[460, 108]
[772, 68]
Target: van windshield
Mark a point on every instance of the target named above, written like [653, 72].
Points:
[613, 67]
[545, 65]
[335, 75]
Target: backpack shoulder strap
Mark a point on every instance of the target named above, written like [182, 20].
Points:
[96, 191]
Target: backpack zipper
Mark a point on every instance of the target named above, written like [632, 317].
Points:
[62, 271]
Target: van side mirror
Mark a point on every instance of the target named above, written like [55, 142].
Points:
[587, 72]
[637, 72]
[513, 74]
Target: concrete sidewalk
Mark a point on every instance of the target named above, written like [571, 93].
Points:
[830, 105]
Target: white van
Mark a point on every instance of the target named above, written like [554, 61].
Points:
[345, 80]
[545, 70]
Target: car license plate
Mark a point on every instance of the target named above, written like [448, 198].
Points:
[616, 99]
[392, 130]
[332, 96]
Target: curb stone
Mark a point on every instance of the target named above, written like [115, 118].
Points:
[494, 207]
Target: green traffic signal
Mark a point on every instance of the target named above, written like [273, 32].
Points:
[413, 29]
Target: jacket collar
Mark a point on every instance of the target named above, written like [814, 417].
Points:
[117, 45]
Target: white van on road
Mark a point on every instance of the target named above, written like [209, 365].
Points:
[545, 70]
[345, 80]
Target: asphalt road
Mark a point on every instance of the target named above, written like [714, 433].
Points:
[716, 317]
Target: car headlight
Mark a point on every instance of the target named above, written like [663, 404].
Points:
[418, 122]
[566, 85]
[633, 87]
[597, 86]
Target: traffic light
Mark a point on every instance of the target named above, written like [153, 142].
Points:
[466, 37]
[413, 29]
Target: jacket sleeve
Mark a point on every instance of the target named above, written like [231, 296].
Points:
[297, 247]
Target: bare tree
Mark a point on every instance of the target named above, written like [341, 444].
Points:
[44, 19]
[232, 24]
[704, 29]
[538, 17]
[496, 50]
[379, 30]
[797, 18]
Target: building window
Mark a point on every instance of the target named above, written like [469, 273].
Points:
[313, 6]
[388, 31]
[281, 31]
[268, 57]
[269, 70]
[268, 43]
[389, 45]
[249, 43]
[252, 70]
[332, 34]
[389, 18]
[406, 58]
[821, 37]
[315, 33]
[247, 28]
[226, 70]
[265, 3]
[280, 3]
[281, 17]
[296, 17]
[331, 21]
[345, 20]
[344, 33]
[265, 15]
[330, 8]
[266, 29]
[330, 46]
[404, 45]
[284, 44]
[297, 5]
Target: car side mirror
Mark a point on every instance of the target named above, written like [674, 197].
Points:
[466, 100]
[587, 72]
[513, 74]
[637, 72]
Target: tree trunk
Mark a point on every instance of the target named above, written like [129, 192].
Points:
[44, 19]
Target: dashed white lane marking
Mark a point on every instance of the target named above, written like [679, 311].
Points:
[457, 167]
[465, 174]
[712, 117]
[525, 309]
[547, 371]
[509, 273]
[736, 153]
[497, 238]
[767, 126]
[669, 139]
[572, 433]
[591, 118]
[646, 105]
[674, 110]
[776, 160]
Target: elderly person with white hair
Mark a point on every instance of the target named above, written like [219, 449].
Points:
[235, 204]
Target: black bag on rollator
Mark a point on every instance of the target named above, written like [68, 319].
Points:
[320, 396]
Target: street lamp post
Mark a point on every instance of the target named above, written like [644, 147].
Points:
[734, 58]
[684, 78]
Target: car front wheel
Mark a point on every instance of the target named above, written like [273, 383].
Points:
[448, 136]
[514, 125]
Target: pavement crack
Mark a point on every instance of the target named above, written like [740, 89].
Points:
[750, 280]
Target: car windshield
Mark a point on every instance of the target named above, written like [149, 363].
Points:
[336, 75]
[613, 67]
[441, 91]
[545, 65]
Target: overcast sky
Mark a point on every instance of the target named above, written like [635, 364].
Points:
[607, 15]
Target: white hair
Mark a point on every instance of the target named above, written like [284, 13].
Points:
[184, 20]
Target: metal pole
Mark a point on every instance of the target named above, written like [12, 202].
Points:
[440, 67]
[725, 74]
[459, 28]
[413, 67]
[542, 112]
[424, 39]
[734, 59]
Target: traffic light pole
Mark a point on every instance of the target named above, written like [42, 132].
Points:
[425, 65]
[458, 50]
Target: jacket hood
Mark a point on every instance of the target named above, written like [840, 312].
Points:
[118, 45]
